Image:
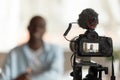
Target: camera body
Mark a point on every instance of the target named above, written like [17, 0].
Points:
[91, 44]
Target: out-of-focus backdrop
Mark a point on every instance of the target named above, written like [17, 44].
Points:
[15, 16]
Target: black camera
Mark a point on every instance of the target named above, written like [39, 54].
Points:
[90, 44]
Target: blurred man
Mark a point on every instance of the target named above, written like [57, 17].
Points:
[91, 48]
[34, 60]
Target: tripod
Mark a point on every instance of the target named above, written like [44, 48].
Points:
[94, 72]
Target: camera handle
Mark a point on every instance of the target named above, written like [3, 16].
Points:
[68, 29]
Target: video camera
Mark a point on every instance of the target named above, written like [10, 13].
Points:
[88, 45]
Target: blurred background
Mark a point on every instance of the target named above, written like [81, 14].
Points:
[15, 16]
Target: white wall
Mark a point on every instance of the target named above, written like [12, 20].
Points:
[15, 16]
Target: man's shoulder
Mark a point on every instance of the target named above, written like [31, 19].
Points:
[17, 48]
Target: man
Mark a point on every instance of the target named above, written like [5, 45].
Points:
[91, 48]
[35, 60]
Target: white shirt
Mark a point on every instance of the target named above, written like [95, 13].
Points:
[50, 63]
[34, 59]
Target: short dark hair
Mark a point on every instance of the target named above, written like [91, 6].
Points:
[37, 17]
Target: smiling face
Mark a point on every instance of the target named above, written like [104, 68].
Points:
[37, 28]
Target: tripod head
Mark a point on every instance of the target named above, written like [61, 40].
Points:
[94, 72]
